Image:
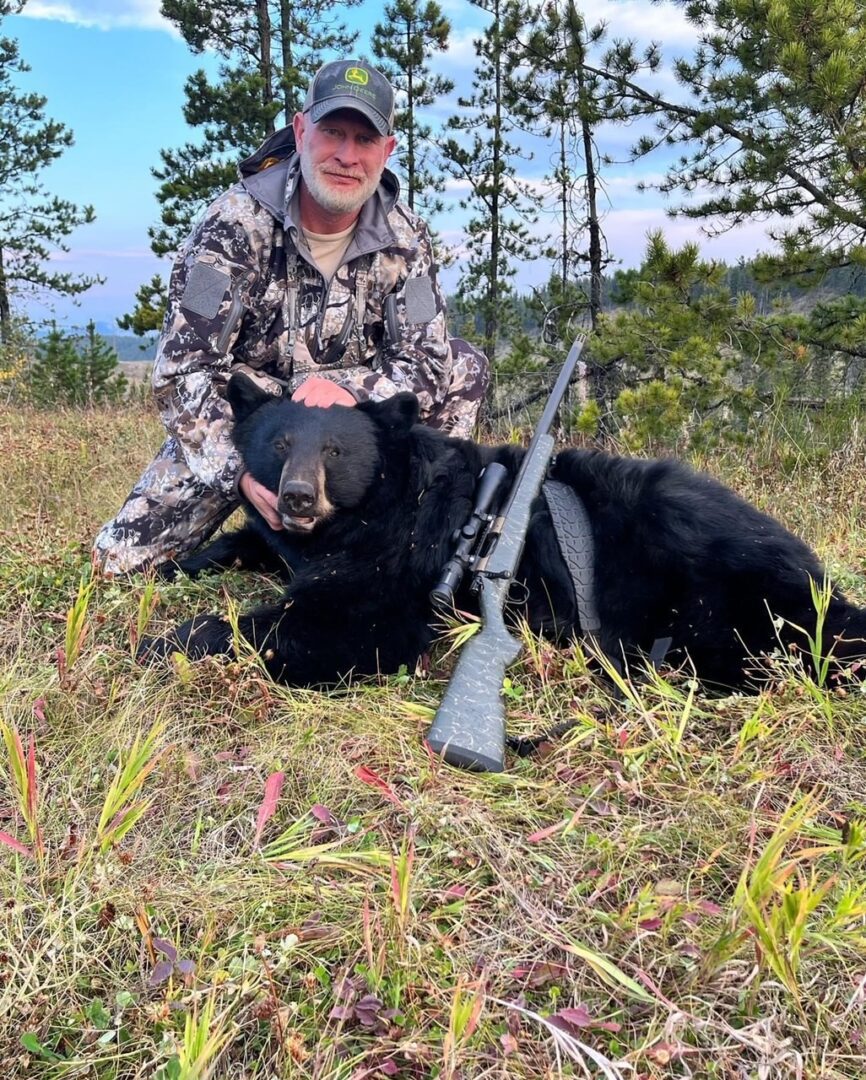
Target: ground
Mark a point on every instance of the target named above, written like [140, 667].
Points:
[283, 883]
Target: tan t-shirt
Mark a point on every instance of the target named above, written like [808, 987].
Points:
[328, 249]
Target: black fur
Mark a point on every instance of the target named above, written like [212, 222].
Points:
[371, 501]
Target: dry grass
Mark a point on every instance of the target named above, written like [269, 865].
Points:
[676, 888]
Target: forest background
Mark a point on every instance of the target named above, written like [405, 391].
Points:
[519, 150]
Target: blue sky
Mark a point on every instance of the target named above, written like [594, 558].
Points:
[113, 71]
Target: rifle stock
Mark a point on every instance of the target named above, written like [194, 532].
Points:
[469, 729]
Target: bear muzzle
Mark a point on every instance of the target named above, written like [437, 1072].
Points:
[299, 506]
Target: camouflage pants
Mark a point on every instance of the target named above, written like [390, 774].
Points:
[170, 512]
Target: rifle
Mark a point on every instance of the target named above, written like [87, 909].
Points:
[469, 727]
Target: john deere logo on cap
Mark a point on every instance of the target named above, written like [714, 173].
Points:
[357, 76]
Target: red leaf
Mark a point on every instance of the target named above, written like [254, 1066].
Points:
[510, 1045]
[39, 709]
[576, 1018]
[16, 845]
[543, 834]
[323, 814]
[273, 787]
[456, 892]
[374, 780]
[650, 924]
[160, 973]
[709, 908]
[165, 947]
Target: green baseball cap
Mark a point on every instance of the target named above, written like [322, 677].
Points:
[352, 84]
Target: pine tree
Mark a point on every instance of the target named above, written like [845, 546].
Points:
[773, 129]
[484, 158]
[563, 102]
[775, 126]
[268, 53]
[99, 376]
[414, 31]
[75, 371]
[33, 224]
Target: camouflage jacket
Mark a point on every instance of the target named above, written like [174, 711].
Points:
[242, 289]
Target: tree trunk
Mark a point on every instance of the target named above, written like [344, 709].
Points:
[491, 316]
[410, 110]
[5, 310]
[263, 24]
[290, 97]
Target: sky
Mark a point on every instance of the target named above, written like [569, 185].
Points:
[113, 71]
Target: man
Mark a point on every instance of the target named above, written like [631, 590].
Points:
[310, 276]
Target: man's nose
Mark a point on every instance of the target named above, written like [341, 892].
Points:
[347, 152]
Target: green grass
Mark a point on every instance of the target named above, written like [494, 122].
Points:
[675, 888]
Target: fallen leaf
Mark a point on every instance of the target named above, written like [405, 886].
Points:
[16, 845]
[510, 1045]
[367, 775]
[273, 787]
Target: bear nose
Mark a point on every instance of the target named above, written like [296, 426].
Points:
[297, 496]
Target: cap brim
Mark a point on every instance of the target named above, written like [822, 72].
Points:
[322, 109]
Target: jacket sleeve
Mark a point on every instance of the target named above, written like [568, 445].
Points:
[208, 293]
[411, 349]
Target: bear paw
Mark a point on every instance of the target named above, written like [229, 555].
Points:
[205, 635]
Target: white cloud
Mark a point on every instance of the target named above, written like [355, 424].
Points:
[101, 14]
[645, 22]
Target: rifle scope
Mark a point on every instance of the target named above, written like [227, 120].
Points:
[467, 539]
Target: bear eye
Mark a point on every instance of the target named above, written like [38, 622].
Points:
[281, 445]
[334, 451]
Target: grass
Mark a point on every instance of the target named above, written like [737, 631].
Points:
[205, 874]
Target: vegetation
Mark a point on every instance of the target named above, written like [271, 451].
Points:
[33, 224]
[73, 370]
[206, 874]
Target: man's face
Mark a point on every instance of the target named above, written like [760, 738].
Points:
[342, 158]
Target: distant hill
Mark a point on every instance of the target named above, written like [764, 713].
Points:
[129, 347]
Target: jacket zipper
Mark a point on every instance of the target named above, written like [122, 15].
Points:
[235, 312]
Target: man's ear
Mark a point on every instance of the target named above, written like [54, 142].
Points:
[397, 414]
[245, 396]
[299, 126]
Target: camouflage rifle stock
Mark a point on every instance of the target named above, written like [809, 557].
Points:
[469, 727]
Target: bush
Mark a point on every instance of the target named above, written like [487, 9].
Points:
[74, 370]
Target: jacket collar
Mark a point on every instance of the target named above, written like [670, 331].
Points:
[276, 190]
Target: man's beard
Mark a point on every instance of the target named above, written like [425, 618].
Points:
[328, 196]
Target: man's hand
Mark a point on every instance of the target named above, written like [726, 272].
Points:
[264, 500]
[322, 392]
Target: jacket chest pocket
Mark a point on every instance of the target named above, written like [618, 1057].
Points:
[265, 335]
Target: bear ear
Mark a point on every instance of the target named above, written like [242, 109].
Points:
[245, 396]
[397, 413]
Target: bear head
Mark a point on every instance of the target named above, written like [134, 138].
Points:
[318, 461]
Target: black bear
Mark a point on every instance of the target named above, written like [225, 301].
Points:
[370, 501]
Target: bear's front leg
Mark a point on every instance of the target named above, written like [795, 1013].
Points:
[205, 635]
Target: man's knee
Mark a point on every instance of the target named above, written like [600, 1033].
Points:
[470, 378]
[168, 514]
